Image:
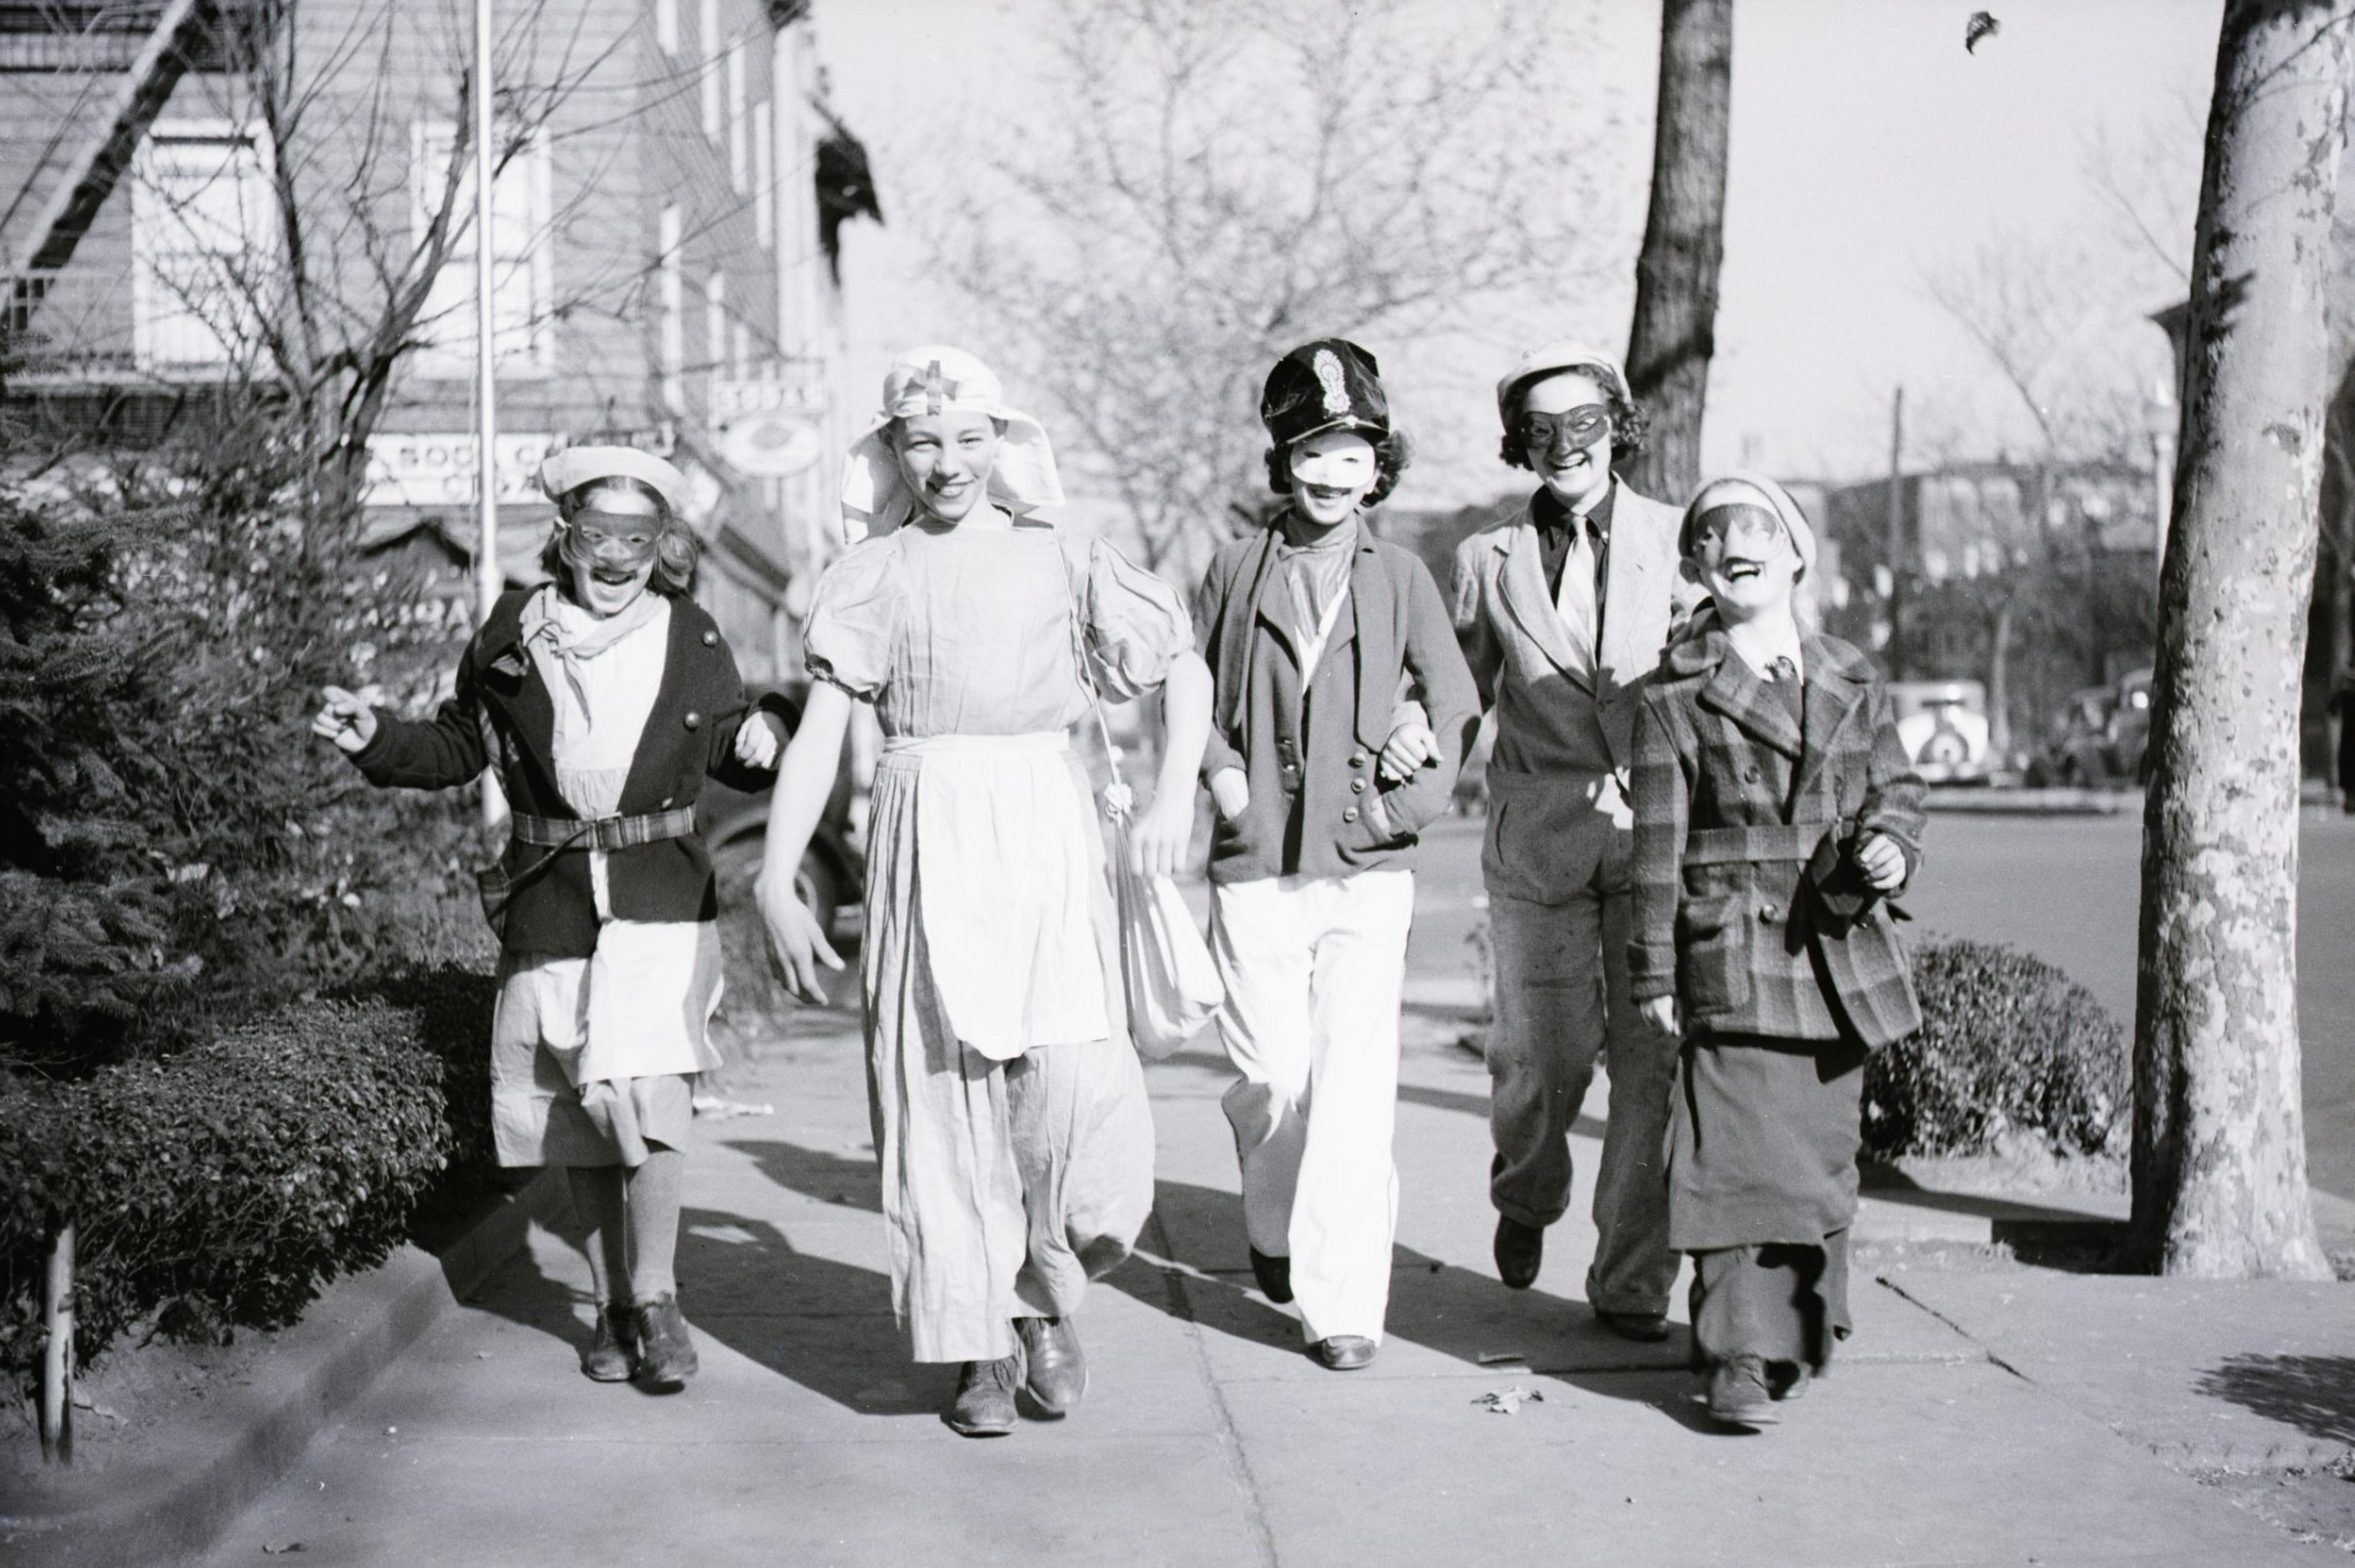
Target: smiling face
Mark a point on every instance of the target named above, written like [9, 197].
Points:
[1566, 432]
[945, 459]
[608, 546]
[1746, 560]
[1331, 473]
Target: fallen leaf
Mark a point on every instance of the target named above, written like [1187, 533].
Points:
[1507, 1401]
[280, 1551]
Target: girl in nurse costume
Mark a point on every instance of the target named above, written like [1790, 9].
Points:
[1009, 1108]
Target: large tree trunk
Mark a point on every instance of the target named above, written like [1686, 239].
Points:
[1675, 329]
[2219, 1145]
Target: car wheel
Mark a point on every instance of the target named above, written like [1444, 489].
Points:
[737, 864]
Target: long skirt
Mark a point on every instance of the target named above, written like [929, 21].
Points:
[1009, 1108]
[1763, 1138]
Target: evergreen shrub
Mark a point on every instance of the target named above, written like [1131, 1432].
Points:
[228, 1185]
[2008, 1044]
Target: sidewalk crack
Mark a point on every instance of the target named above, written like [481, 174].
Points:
[1181, 1307]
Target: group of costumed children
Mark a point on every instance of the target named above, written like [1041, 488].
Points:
[1761, 808]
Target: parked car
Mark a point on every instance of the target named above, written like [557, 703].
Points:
[2101, 738]
[833, 873]
[1943, 727]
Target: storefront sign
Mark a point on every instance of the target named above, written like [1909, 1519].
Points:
[439, 470]
[769, 429]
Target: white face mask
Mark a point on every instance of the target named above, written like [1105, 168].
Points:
[1331, 473]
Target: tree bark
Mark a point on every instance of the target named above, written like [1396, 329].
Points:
[2219, 1145]
[1675, 331]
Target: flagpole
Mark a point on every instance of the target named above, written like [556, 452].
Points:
[489, 578]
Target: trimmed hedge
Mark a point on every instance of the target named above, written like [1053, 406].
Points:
[2008, 1043]
[229, 1184]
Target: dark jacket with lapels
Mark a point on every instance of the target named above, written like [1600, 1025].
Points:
[1733, 797]
[690, 733]
[1311, 749]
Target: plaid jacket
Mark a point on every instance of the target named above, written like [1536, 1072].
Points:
[1732, 798]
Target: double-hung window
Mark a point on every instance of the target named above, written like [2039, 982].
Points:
[203, 244]
[522, 265]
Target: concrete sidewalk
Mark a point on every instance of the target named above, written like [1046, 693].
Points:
[2017, 1417]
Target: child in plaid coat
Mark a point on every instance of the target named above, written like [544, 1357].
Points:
[1775, 813]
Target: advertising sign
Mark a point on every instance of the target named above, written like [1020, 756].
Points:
[439, 469]
[769, 429]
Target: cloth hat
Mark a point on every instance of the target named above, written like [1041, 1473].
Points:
[1330, 384]
[1552, 358]
[1749, 490]
[567, 469]
[934, 379]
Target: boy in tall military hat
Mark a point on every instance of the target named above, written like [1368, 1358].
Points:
[1312, 627]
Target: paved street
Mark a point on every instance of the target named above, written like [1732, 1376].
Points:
[2066, 889]
[1973, 1421]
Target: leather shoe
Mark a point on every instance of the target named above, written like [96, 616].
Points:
[666, 1352]
[1519, 1250]
[984, 1402]
[612, 1351]
[1057, 1372]
[1345, 1352]
[1645, 1328]
[1738, 1396]
[1274, 1276]
[1788, 1381]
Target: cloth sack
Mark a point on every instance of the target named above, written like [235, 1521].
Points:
[1166, 971]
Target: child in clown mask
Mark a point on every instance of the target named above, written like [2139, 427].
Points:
[1775, 815]
[1314, 629]
[603, 699]
[1010, 1117]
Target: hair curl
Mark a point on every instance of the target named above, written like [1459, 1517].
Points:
[1630, 424]
[677, 552]
[1391, 455]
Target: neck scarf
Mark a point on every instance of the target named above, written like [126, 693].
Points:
[551, 642]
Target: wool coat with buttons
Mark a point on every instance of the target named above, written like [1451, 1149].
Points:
[1733, 797]
[1311, 749]
[691, 734]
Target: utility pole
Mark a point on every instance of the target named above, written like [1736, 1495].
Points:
[489, 579]
[1894, 551]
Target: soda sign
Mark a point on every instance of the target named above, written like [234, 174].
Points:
[439, 470]
[769, 429]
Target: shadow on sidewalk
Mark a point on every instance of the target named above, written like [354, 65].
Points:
[2315, 1394]
[1185, 1269]
[1477, 1105]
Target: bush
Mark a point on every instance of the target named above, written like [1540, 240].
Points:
[228, 1185]
[2008, 1043]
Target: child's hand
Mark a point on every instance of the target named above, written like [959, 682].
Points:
[346, 720]
[1158, 842]
[796, 938]
[758, 739]
[1230, 792]
[1410, 745]
[1882, 863]
[1660, 1013]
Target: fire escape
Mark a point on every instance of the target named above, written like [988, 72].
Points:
[103, 72]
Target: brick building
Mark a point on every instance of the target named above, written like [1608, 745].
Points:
[662, 224]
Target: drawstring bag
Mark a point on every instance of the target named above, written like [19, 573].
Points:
[1166, 971]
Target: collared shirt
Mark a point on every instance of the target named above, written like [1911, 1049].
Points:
[1553, 543]
[1316, 576]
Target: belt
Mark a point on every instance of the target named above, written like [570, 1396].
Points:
[602, 832]
[1027, 743]
[1770, 843]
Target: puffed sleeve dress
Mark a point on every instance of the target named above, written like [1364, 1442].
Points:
[1009, 1110]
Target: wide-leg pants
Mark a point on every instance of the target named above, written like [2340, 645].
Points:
[1313, 969]
[1561, 995]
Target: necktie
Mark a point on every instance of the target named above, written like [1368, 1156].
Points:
[1782, 669]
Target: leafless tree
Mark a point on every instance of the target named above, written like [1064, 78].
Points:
[2219, 1160]
[1215, 181]
[1675, 330]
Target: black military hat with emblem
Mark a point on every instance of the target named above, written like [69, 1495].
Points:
[1330, 384]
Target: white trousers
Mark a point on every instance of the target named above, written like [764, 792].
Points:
[1313, 968]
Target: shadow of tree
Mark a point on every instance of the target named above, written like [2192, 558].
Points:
[2315, 1394]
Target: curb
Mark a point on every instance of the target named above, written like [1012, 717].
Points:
[173, 1506]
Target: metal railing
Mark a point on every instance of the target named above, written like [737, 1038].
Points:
[82, 324]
